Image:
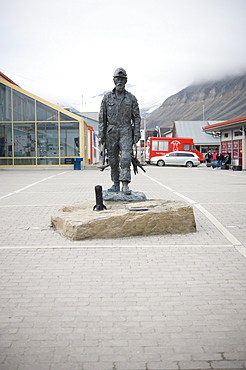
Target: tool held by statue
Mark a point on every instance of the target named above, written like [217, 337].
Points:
[135, 161]
[136, 164]
[104, 159]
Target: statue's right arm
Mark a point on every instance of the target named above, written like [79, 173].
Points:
[102, 120]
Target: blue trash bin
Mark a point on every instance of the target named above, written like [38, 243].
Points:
[77, 163]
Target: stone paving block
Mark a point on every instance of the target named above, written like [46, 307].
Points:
[207, 356]
[98, 366]
[229, 365]
[194, 365]
[33, 366]
[67, 366]
[232, 356]
[112, 358]
[80, 358]
[8, 367]
[103, 351]
[125, 365]
[164, 365]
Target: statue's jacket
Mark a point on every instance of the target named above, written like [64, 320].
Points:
[120, 113]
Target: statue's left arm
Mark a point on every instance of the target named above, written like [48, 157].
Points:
[136, 119]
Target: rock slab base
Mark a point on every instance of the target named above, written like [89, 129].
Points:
[124, 219]
[135, 196]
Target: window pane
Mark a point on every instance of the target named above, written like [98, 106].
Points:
[24, 139]
[160, 145]
[6, 161]
[186, 146]
[154, 145]
[23, 107]
[25, 161]
[67, 161]
[163, 145]
[49, 161]
[48, 139]
[64, 117]
[5, 140]
[45, 113]
[5, 103]
[238, 133]
[69, 139]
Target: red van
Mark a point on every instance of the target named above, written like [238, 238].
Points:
[163, 145]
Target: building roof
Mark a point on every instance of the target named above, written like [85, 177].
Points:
[194, 129]
[91, 115]
[225, 124]
[4, 77]
[88, 117]
[6, 81]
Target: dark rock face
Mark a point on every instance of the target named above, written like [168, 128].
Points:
[222, 100]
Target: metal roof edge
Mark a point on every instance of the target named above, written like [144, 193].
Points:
[224, 124]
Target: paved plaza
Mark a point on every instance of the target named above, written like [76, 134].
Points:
[137, 303]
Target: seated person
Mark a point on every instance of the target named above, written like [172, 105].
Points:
[227, 158]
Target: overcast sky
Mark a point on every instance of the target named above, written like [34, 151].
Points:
[62, 50]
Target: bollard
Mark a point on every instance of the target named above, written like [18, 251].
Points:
[99, 199]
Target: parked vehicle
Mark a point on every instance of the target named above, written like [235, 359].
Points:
[177, 158]
[162, 145]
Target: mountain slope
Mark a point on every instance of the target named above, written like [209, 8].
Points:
[216, 100]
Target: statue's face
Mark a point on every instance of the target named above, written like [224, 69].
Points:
[120, 83]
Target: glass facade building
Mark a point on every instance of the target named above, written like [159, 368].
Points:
[35, 132]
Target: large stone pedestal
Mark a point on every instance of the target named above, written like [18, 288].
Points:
[124, 219]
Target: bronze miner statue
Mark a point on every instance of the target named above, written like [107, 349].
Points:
[119, 129]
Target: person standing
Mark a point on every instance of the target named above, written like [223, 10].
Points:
[119, 129]
[208, 156]
[214, 157]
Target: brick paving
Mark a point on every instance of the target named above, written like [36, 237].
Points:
[160, 302]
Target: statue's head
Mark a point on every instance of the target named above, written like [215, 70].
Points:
[120, 79]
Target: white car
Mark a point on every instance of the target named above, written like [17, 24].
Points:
[177, 158]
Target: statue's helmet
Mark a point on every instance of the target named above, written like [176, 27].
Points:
[120, 72]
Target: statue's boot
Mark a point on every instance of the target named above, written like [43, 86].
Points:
[125, 188]
[114, 188]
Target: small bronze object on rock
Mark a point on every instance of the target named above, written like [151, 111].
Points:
[142, 209]
[99, 199]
